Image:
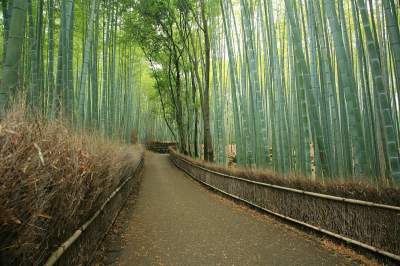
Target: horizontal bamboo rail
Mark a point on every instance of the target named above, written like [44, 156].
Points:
[359, 209]
[160, 147]
[319, 195]
[59, 252]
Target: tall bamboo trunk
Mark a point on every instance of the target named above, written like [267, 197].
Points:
[13, 55]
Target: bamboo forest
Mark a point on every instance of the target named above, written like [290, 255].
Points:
[307, 87]
[115, 114]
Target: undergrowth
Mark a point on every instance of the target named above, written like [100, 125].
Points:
[349, 189]
[52, 179]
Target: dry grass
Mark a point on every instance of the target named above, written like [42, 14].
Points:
[51, 181]
[348, 189]
[344, 250]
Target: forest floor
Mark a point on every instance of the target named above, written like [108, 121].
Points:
[176, 221]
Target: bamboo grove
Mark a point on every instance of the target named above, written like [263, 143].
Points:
[303, 87]
[72, 60]
[308, 87]
[324, 74]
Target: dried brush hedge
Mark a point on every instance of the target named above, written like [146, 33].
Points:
[375, 227]
[348, 189]
[51, 181]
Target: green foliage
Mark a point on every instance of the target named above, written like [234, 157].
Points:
[76, 60]
[306, 87]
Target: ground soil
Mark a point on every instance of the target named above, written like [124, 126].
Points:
[176, 221]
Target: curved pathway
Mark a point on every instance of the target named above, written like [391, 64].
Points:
[176, 221]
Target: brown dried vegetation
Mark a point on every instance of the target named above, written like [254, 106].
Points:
[51, 181]
[348, 189]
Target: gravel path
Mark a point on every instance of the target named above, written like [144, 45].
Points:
[176, 221]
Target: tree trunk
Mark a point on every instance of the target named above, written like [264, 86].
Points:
[14, 50]
[208, 147]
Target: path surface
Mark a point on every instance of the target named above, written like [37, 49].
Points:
[176, 221]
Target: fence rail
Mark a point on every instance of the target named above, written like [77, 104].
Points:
[160, 147]
[80, 247]
[375, 227]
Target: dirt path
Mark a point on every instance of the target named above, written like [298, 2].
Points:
[175, 221]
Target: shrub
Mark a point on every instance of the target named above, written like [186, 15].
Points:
[52, 179]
